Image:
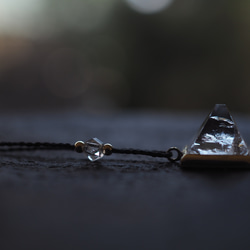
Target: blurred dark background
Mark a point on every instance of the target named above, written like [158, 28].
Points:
[102, 55]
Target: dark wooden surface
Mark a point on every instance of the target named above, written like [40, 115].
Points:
[59, 200]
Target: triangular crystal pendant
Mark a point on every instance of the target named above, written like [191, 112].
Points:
[218, 141]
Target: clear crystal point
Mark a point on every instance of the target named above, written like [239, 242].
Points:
[94, 149]
[219, 135]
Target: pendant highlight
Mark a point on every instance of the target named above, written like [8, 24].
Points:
[218, 142]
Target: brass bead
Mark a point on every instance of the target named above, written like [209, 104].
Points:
[79, 146]
[107, 149]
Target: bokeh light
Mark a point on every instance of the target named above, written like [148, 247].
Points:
[80, 15]
[48, 18]
[149, 6]
[17, 16]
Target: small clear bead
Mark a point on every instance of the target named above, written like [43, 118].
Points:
[94, 149]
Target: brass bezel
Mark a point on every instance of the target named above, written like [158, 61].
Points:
[196, 160]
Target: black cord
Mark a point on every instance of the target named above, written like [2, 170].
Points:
[169, 154]
[32, 146]
[23, 146]
[152, 153]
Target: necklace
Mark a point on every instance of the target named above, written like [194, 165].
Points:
[218, 143]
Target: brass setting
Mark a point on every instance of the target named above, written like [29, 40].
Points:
[107, 149]
[79, 146]
[195, 160]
